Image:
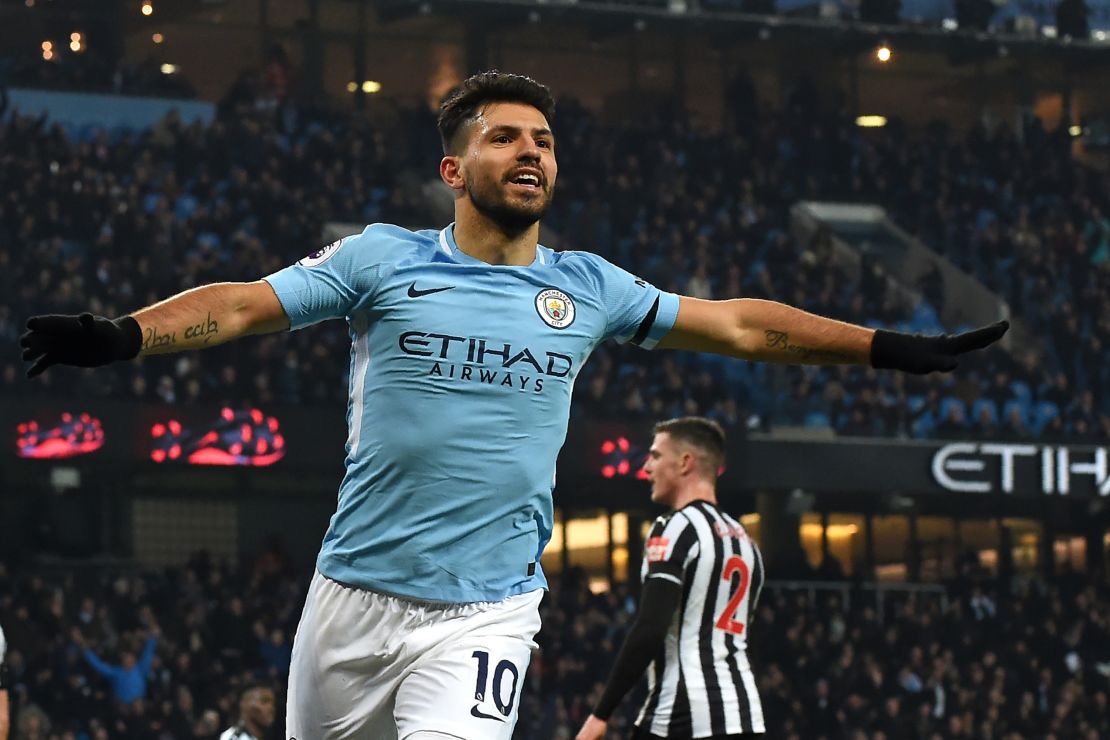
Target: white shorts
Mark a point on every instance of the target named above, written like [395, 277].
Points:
[377, 667]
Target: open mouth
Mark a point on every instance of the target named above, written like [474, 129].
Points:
[526, 181]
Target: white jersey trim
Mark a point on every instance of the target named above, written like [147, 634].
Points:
[360, 325]
[666, 577]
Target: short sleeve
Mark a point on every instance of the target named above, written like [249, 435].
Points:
[330, 283]
[670, 552]
[639, 313]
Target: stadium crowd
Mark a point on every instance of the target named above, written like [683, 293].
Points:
[162, 655]
[109, 221]
[91, 72]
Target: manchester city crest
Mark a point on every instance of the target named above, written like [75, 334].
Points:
[555, 308]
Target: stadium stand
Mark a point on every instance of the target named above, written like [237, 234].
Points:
[979, 658]
[110, 220]
[179, 205]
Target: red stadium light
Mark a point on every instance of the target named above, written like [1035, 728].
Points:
[74, 435]
[619, 457]
[247, 437]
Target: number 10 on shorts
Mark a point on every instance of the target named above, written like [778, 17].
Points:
[497, 689]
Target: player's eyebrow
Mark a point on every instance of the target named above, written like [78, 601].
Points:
[516, 130]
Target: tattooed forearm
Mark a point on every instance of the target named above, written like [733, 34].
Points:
[152, 339]
[203, 332]
[780, 340]
[208, 328]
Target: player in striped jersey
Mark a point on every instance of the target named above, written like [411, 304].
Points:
[702, 575]
[256, 714]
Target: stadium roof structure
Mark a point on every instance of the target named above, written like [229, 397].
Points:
[732, 27]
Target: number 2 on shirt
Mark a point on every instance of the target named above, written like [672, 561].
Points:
[725, 621]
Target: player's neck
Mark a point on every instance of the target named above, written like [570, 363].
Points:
[484, 240]
[699, 491]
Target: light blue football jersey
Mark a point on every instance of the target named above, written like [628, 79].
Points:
[461, 380]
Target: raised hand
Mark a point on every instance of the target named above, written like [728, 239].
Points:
[919, 354]
[83, 341]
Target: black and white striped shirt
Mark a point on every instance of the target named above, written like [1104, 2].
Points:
[700, 684]
[3, 666]
[236, 733]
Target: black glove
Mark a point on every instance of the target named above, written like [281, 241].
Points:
[919, 354]
[84, 341]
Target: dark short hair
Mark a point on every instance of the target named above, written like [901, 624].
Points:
[467, 100]
[701, 433]
[254, 686]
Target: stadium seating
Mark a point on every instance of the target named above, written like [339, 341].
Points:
[977, 660]
[110, 221]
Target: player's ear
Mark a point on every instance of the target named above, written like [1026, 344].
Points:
[450, 171]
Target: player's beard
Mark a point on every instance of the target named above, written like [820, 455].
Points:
[512, 215]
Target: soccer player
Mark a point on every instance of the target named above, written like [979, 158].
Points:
[465, 345]
[702, 575]
[5, 708]
[256, 714]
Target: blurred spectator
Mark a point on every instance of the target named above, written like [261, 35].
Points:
[128, 679]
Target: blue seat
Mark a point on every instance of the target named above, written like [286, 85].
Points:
[1044, 412]
[984, 403]
[946, 405]
[924, 425]
[1021, 389]
[817, 420]
[1024, 408]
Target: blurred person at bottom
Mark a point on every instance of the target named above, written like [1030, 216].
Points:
[702, 575]
[5, 717]
[256, 714]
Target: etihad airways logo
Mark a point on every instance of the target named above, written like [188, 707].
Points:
[486, 361]
[965, 467]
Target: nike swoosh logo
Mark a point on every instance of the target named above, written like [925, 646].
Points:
[415, 293]
[475, 712]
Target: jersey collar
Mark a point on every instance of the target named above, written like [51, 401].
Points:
[451, 249]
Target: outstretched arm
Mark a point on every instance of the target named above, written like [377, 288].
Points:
[767, 331]
[210, 315]
[658, 603]
[195, 319]
[99, 665]
[147, 656]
